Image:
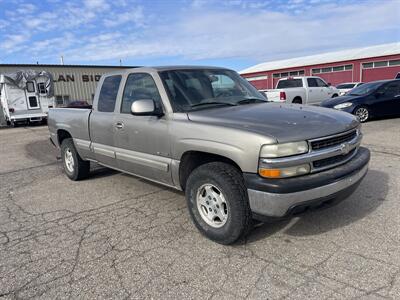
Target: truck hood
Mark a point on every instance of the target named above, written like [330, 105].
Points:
[284, 122]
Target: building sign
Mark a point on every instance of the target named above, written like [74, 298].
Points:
[71, 78]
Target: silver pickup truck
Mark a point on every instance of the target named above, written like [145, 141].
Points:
[208, 132]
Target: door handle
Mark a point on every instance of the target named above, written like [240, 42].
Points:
[119, 125]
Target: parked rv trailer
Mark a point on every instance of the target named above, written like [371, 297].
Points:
[26, 96]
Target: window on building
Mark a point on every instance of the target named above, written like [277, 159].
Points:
[276, 75]
[301, 72]
[326, 70]
[30, 87]
[316, 71]
[59, 100]
[368, 65]
[394, 62]
[378, 64]
[108, 93]
[139, 86]
[286, 74]
[337, 69]
[42, 88]
[348, 67]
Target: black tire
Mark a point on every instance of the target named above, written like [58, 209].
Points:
[229, 181]
[334, 95]
[80, 168]
[297, 100]
[362, 113]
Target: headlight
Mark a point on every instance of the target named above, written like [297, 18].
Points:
[282, 150]
[343, 105]
[284, 172]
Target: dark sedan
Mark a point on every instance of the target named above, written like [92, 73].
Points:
[373, 99]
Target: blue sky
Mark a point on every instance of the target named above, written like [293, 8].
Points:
[230, 33]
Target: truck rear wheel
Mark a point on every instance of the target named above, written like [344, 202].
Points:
[297, 100]
[74, 166]
[218, 202]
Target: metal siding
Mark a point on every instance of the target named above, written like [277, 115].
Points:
[341, 76]
[77, 90]
[380, 73]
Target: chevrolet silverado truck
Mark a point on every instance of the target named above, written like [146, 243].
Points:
[208, 132]
[301, 90]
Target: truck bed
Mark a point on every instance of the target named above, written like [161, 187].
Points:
[73, 120]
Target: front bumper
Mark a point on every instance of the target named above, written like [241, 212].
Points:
[279, 198]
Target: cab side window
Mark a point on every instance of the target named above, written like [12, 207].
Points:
[392, 89]
[312, 82]
[320, 83]
[108, 93]
[139, 86]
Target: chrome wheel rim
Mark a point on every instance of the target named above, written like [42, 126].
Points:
[362, 114]
[212, 205]
[69, 160]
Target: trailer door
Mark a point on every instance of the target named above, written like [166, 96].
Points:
[31, 95]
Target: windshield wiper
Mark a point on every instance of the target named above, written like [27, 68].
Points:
[250, 100]
[212, 103]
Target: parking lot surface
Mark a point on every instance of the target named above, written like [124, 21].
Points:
[116, 236]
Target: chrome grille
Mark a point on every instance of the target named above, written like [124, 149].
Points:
[333, 141]
[334, 160]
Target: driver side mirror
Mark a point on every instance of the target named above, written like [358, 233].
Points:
[329, 84]
[145, 107]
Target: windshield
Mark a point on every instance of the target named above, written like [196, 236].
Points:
[289, 83]
[205, 88]
[365, 89]
[346, 86]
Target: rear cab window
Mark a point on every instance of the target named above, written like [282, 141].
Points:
[108, 93]
[289, 83]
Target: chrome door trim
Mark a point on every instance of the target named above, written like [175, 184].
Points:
[144, 159]
[136, 175]
[101, 149]
[82, 144]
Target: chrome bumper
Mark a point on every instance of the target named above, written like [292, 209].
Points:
[277, 205]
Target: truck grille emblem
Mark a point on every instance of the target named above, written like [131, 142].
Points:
[345, 148]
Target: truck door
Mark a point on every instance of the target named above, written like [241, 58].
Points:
[325, 90]
[314, 92]
[102, 121]
[143, 144]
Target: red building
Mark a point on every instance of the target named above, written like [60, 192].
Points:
[355, 65]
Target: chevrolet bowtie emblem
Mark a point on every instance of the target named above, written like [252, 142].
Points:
[345, 148]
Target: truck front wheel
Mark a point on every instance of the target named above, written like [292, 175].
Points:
[218, 203]
[74, 166]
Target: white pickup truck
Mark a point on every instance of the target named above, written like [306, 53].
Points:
[301, 90]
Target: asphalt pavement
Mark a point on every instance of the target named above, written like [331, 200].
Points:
[117, 236]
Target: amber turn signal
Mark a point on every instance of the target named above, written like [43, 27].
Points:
[270, 173]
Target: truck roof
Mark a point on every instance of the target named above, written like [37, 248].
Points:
[165, 68]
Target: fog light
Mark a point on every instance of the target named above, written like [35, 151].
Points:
[284, 172]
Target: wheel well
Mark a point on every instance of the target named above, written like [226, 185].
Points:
[334, 95]
[192, 159]
[62, 135]
[298, 98]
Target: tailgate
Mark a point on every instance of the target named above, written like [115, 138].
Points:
[274, 96]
